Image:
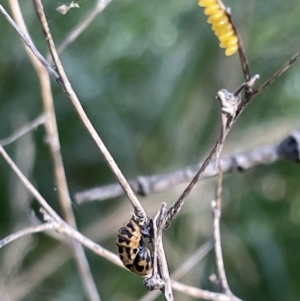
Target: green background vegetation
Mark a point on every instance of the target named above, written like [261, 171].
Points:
[146, 72]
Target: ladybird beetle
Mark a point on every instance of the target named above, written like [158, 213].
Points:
[132, 249]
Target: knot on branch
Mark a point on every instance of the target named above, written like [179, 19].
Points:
[142, 186]
[228, 101]
[154, 283]
[290, 147]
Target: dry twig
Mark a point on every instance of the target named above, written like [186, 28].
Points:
[29, 230]
[279, 72]
[57, 222]
[199, 293]
[288, 148]
[24, 130]
[216, 209]
[31, 46]
[54, 146]
[160, 278]
[82, 115]
[62, 79]
[231, 106]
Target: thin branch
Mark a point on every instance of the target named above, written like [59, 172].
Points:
[216, 209]
[230, 104]
[160, 278]
[77, 30]
[65, 84]
[199, 293]
[162, 261]
[82, 115]
[29, 230]
[97, 249]
[279, 72]
[240, 162]
[28, 185]
[176, 206]
[62, 226]
[54, 144]
[52, 260]
[24, 130]
[29, 43]
[241, 49]
[243, 59]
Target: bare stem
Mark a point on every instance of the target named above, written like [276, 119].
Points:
[231, 107]
[201, 294]
[24, 130]
[31, 46]
[160, 278]
[146, 185]
[28, 185]
[26, 231]
[241, 49]
[82, 115]
[216, 209]
[54, 145]
[62, 227]
[279, 72]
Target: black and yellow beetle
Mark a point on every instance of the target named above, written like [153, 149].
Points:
[132, 249]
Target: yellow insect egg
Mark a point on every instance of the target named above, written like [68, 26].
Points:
[231, 50]
[225, 38]
[205, 3]
[221, 30]
[217, 16]
[221, 25]
[211, 9]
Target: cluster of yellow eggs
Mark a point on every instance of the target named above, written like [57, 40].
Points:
[221, 25]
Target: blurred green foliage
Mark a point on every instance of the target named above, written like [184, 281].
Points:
[146, 72]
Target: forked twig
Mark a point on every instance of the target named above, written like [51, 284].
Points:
[82, 115]
[185, 267]
[231, 106]
[54, 146]
[52, 216]
[232, 112]
[62, 79]
[160, 278]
